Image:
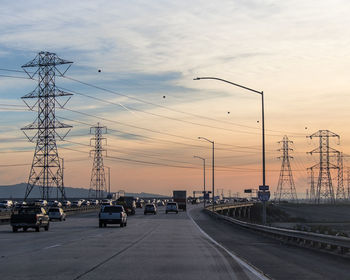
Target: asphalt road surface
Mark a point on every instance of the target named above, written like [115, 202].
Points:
[277, 260]
[150, 247]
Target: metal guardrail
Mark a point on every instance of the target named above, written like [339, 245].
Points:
[229, 206]
[337, 244]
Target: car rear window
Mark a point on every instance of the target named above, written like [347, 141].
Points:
[29, 211]
[112, 209]
[54, 210]
[172, 204]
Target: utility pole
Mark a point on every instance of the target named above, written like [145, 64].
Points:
[286, 187]
[98, 177]
[324, 189]
[46, 171]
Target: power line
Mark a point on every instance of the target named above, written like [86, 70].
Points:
[171, 109]
[152, 130]
[158, 115]
[295, 134]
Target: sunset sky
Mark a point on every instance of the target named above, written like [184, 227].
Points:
[297, 52]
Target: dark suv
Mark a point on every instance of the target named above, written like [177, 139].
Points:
[150, 208]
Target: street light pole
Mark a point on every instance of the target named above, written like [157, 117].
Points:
[109, 180]
[263, 131]
[213, 187]
[203, 176]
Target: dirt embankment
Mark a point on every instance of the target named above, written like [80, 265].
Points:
[317, 218]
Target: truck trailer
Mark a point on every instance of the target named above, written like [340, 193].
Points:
[180, 197]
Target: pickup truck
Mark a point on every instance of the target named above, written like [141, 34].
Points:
[112, 214]
[30, 217]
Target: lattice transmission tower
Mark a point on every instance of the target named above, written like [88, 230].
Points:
[286, 187]
[46, 171]
[340, 194]
[324, 189]
[348, 183]
[311, 177]
[98, 186]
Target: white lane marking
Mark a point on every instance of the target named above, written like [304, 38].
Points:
[237, 259]
[53, 246]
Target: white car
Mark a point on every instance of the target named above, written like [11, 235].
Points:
[112, 214]
[41, 202]
[76, 203]
[106, 202]
[57, 213]
[172, 207]
[66, 203]
[6, 204]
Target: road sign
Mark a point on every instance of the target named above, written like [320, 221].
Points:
[206, 195]
[264, 196]
[263, 188]
[248, 191]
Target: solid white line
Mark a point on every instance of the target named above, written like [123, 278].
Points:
[53, 246]
[237, 259]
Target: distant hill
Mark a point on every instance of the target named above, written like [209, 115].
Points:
[18, 191]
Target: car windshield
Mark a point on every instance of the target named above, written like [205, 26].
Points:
[112, 209]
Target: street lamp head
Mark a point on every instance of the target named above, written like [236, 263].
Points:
[196, 79]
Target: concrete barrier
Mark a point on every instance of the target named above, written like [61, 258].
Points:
[6, 215]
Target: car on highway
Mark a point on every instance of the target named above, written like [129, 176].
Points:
[30, 217]
[106, 202]
[112, 214]
[6, 204]
[129, 203]
[171, 207]
[150, 208]
[41, 202]
[76, 203]
[139, 204]
[85, 203]
[94, 202]
[54, 203]
[66, 203]
[56, 213]
[160, 203]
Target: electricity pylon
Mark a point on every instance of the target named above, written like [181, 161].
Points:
[348, 182]
[312, 196]
[324, 188]
[98, 187]
[46, 171]
[340, 194]
[286, 187]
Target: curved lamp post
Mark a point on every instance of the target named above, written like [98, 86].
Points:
[213, 188]
[203, 175]
[263, 129]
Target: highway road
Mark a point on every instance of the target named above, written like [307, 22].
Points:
[151, 247]
[158, 247]
[277, 260]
